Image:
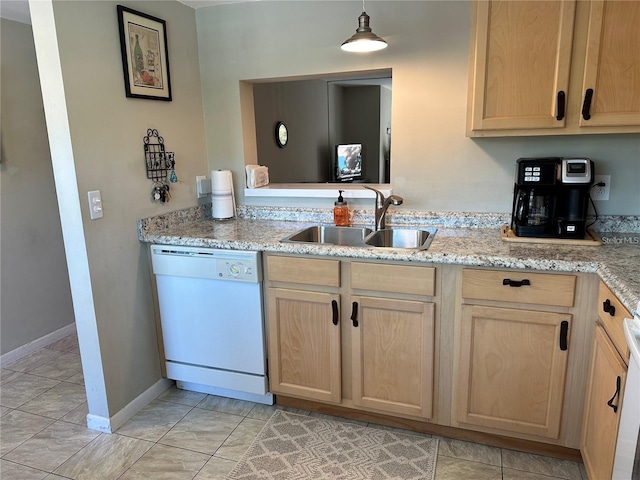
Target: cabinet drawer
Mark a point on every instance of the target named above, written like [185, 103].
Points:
[393, 278]
[611, 313]
[497, 285]
[307, 271]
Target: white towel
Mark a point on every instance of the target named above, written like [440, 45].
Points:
[257, 176]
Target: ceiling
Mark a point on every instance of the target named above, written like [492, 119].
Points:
[18, 10]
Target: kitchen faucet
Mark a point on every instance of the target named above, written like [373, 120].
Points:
[381, 206]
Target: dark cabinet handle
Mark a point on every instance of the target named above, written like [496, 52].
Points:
[560, 106]
[610, 402]
[354, 313]
[515, 283]
[334, 307]
[586, 105]
[608, 308]
[564, 330]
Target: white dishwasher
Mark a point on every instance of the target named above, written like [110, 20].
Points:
[212, 320]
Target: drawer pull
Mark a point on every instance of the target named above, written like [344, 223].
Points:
[608, 308]
[334, 307]
[354, 313]
[561, 99]
[586, 105]
[564, 330]
[515, 283]
[610, 402]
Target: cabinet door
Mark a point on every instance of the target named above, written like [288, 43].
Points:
[607, 376]
[392, 348]
[304, 344]
[521, 57]
[511, 372]
[612, 65]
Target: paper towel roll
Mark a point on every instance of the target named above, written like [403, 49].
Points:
[223, 202]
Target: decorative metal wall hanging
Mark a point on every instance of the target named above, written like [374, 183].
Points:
[158, 163]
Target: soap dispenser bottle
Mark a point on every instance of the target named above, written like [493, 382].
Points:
[341, 211]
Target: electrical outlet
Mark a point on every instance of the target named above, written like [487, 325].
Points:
[601, 193]
[203, 186]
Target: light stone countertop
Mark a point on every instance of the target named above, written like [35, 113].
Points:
[618, 264]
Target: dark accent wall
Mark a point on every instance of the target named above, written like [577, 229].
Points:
[302, 106]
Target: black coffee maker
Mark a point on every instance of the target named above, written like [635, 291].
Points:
[550, 197]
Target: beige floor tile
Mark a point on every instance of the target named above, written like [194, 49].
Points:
[215, 469]
[162, 462]
[78, 415]
[58, 401]
[509, 474]
[4, 410]
[105, 458]
[65, 344]
[184, 397]
[13, 471]
[51, 447]
[551, 467]
[154, 420]
[53, 476]
[449, 468]
[226, 405]
[240, 439]
[25, 388]
[583, 471]
[60, 368]
[264, 412]
[8, 375]
[18, 427]
[34, 360]
[77, 378]
[201, 431]
[474, 452]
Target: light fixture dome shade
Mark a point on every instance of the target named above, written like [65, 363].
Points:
[364, 40]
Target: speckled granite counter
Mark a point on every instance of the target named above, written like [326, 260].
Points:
[618, 264]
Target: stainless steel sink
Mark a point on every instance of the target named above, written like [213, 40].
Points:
[415, 239]
[400, 238]
[327, 234]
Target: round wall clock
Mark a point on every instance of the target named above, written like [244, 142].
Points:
[282, 134]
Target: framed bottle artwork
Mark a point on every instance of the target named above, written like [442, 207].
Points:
[145, 55]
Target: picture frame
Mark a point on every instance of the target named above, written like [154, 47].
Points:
[145, 55]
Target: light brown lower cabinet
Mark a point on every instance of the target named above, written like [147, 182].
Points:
[304, 344]
[387, 344]
[512, 367]
[392, 350]
[607, 376]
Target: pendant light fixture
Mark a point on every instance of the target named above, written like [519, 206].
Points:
[364, 40]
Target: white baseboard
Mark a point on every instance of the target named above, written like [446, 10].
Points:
[37, 344]
[110, 425]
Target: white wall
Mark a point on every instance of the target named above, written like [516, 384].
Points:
[434, 166]
[106, 132]
[36, 298]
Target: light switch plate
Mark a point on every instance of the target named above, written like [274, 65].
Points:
[95, 204]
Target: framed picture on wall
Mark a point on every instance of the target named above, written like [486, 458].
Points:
[145, 55]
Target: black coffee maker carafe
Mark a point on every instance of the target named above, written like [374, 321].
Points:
[550, 197]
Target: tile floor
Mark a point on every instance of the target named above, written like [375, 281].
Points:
[180, 435]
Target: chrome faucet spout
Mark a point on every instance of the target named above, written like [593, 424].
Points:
[382, 205]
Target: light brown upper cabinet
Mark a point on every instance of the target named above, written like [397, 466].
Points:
[554, 67]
